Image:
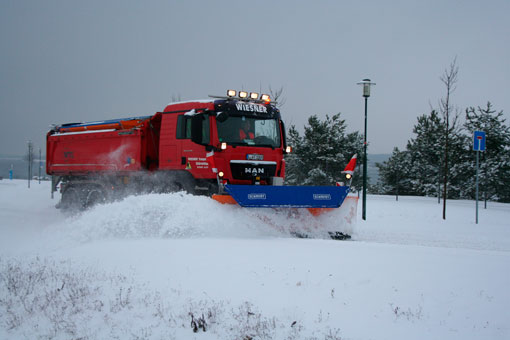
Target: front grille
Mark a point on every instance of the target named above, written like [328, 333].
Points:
[249, 170]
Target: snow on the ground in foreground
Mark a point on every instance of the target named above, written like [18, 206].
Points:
[140, 267]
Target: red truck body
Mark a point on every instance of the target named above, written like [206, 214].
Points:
[79, 154]
[190, 145]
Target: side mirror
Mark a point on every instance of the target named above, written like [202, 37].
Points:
[196, 128]
[221, 116]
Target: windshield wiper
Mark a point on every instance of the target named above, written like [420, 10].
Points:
[265, 145]
[238, 143]
[234, 144]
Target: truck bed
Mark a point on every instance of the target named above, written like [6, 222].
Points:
[85, 152]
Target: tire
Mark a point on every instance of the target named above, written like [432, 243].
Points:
[94, 196]
[72, 200]
[187, 184]
[213, 189]
[178, 181]
[172, 187]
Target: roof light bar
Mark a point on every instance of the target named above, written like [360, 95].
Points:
[244, 95]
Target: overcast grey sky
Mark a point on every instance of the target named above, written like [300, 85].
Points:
[70, 61]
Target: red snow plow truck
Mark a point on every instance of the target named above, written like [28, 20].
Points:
[231, 148]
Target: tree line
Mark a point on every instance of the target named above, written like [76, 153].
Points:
[419, 169]
[438, 161]
[322, 151]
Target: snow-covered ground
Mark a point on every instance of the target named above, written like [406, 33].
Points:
[145, 267]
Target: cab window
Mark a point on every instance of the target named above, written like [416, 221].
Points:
[183, 127]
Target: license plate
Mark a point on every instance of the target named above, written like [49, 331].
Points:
[254, 157]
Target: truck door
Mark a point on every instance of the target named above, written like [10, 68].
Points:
[194, 149]
[170, 146]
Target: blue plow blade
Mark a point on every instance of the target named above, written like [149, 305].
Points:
[268, 196]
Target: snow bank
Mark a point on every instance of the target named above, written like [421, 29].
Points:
[181, 216]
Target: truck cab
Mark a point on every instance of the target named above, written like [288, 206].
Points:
[223, 141]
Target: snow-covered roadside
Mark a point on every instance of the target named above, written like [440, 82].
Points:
[418, 220]
[250, 280]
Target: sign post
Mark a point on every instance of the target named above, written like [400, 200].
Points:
[478, 145]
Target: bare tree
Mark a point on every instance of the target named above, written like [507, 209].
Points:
[449, 79]
[277, 96]
[175, 98]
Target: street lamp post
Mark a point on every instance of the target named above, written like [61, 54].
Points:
[366, 93]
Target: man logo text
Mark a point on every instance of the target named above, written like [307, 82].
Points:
[254, 171]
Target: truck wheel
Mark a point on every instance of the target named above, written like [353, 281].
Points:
[188, 185]
[179, 186]
[94, 196]
[213, 189]
[172, 187]
[71, 200]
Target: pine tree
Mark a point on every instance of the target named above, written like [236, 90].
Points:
[294, 174]
[394, 174]
[422, 167]
[320, 155]
[426, 152]
[458, 154]
[495, 160]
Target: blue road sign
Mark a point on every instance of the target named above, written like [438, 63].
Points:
[479, 141]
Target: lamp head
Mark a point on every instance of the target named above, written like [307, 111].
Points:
[366, 87]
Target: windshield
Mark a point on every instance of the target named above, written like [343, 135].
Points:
[249, 131]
